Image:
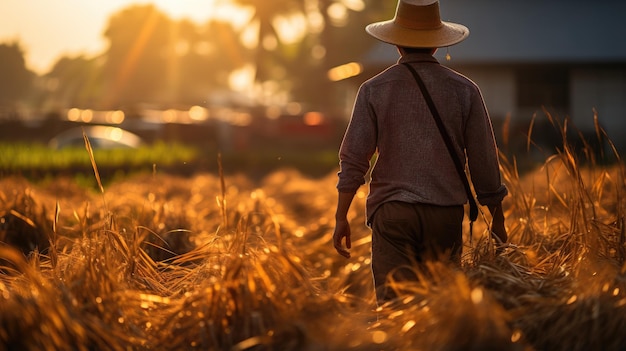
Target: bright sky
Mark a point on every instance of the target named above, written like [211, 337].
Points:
[48, 29]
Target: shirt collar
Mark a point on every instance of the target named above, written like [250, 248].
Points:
[417, 58]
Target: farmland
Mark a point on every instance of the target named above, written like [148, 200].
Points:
[209, 261]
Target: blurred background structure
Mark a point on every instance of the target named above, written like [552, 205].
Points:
[560, 56]
[282, 75]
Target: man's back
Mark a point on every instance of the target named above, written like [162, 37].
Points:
[413, 164]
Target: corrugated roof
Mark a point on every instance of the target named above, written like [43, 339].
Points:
[522, 31]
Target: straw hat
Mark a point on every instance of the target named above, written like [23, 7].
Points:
[417, 24]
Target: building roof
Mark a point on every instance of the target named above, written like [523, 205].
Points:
[531, 31]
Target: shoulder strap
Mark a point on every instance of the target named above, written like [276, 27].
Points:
[473, 214]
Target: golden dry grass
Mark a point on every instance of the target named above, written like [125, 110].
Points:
[158, 262]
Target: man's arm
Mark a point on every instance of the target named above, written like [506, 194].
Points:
[342, 226]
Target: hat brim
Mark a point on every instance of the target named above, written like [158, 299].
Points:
[390, 32]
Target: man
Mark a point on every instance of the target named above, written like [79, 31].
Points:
[415, 203]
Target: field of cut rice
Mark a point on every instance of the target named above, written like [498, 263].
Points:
[210, 262]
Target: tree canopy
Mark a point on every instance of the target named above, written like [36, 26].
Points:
[16, 80]
[153, 59]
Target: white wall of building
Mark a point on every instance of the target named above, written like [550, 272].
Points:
[602, 89]
[497, 86]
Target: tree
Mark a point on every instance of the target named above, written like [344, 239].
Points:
[17, 80]
[301, 68]
[154, 59]
[341, 40]
[265, 12]
[74, 82]
[339, 31]
[137, 57]
[207, 55]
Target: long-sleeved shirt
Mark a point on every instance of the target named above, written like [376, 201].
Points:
[391, 118]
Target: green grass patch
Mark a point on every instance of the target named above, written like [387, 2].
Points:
[24, 157]
[39, 162]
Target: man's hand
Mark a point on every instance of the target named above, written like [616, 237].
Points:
[342, 230]
[498, 229]
[342, 226]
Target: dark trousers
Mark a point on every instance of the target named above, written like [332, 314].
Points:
[405, 235]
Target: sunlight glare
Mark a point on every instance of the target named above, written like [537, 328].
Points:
[379, 337]
[291, 29]
[476, 296]
[572, 299]
[516, 336]
[269, 93]
[115, 134]
[342, 72]
[313, 118]
[408, 325]
[354, 5]
[293, 108]
[115, 117]
[198, 113]
[86, 115]
[338, 14]
[241, 79]
[236, 15]
[169, 116]
[249, 36]
[73, 114]
[299, 233]
[202, 10]
[315, 21]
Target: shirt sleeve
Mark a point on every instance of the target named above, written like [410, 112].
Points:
[358, 145]
[482, 153]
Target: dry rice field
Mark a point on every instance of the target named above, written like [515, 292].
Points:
[158, 262]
